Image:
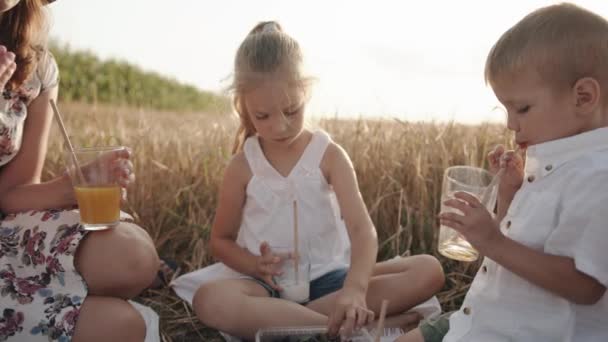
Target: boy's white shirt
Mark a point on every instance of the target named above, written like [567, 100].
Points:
[562, 209]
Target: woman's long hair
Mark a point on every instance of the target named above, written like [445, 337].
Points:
[23, 32]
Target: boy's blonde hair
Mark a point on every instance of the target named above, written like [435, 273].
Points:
[267, 53]
[562, 43]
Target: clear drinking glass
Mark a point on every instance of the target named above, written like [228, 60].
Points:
[295, 285]
[96, 186]
[475, 181]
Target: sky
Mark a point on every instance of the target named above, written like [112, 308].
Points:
[412, 60]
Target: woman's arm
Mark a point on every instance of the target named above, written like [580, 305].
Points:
[20, 187]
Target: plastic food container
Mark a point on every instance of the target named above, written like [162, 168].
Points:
[306, 334]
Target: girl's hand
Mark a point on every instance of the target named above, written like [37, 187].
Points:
[476, 224]
[513, 163]
[7, 66]
[268, 265]
[350, 312]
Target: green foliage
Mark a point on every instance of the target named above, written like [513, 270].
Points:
[86, 78]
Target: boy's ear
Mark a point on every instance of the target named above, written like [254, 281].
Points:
[586, 93]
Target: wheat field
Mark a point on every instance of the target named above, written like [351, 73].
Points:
[179, 160]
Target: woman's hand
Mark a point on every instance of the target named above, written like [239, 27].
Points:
[118, 165]
[123, 167]
[268, 265]
[350, 312]
[7, 66]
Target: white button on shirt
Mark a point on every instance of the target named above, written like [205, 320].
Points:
[561, 209]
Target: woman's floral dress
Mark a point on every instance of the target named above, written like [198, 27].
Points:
[40, 290]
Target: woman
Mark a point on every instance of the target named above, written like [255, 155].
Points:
[57, 281]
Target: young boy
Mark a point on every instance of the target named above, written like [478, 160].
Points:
[546, 268]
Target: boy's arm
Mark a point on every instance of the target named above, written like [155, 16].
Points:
[555, 273]
[512, 178]
[502, 205]
[574, 262]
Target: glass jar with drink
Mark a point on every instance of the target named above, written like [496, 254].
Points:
[477, 182]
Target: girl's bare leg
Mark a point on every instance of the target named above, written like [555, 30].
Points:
[241, 307]
[108, 319]
[404, 282]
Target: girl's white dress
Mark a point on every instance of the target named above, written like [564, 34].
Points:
[268, 216]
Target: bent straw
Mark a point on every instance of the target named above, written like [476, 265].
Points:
[380, 327]
[64, 132]
[495, 180]
[295, 241]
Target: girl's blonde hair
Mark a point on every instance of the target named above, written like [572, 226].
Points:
[562, 43]
[23, 32]
[266, 53]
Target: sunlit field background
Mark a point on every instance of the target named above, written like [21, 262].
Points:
[179, 159]
[378, 64]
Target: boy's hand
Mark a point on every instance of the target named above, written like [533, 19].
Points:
[268, 265]
[513, 176]
[476, 224]
[350, 312]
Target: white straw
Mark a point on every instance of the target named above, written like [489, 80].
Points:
[295, 241]
[64, 132]
[495, 180]
[380, 327]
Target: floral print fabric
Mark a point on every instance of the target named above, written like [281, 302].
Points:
[13, 106]
[40, 290]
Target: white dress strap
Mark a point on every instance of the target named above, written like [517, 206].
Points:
[316, 150]
[255, 157]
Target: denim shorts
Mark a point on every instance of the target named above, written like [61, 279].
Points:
[328, 283]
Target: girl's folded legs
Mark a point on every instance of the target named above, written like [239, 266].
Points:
[241, 307]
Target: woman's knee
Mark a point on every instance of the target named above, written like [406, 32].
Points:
[118, 262]
[141, 262]
[108, 319]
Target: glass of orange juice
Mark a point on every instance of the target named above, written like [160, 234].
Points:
[94, 175]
